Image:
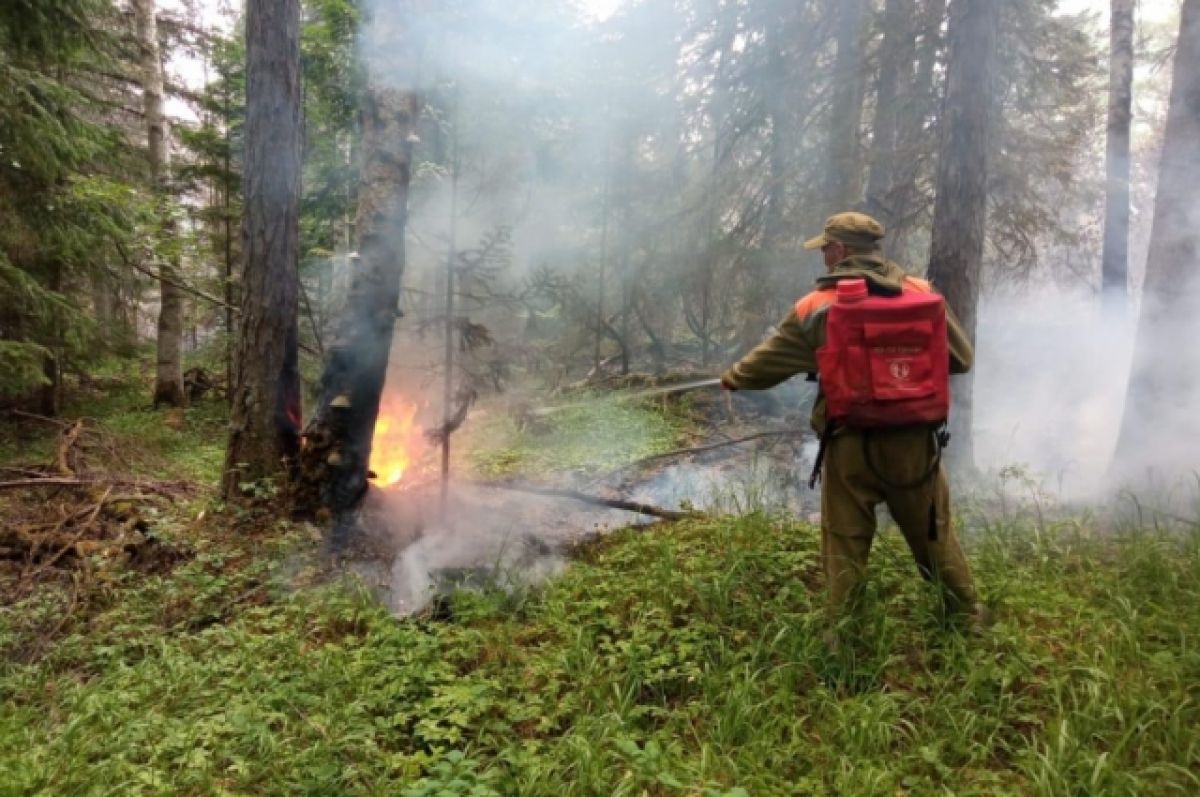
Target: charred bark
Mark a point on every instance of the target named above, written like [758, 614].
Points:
[960, 209]
[265, 412]
[337, 441]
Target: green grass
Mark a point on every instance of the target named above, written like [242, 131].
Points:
[592, 436]
[681, 660]
[153, 443]
[678, 660]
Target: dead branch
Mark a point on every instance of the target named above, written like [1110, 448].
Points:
[48, 482]
[44, 419]
[466, 398]
[72, 545]
[69, 436]
[194, 291]
[164, 488]
[595, 500]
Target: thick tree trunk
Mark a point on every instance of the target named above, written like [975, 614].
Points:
[168, 374]
[960, 209]
[337, 442]
[895, 74]
[1115, 259]
[844, 177]
[1160, 427]
[265, 412]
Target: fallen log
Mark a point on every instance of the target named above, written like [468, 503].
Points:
[595, 500]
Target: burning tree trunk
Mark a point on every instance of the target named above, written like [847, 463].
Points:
[168, 378]
[1160, 426]
[337, 441]
[265, 412]
[960, 209]
[1115, 259]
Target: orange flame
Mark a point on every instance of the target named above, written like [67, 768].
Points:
[397, 441]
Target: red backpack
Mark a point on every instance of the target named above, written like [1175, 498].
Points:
[885, 365]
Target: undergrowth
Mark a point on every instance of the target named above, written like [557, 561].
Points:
[684, 659]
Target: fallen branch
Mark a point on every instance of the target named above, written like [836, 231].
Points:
[50, 482]
[169, 489]
[72, 545]
[595, 500]
[34, 416]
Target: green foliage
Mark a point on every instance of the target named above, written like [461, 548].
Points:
[21, 365]
[64, 214]
[682, 660]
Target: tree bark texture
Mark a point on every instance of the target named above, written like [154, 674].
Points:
[1160, 427]
[266, 413]
[337, 441]
[1115, 258]
[896, 57]
[920, 107]
[960, 207]
[168, 374]
[844, 178]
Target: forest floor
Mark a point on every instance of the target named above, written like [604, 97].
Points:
[683, 658]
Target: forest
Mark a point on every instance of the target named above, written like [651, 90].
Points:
[463, 397]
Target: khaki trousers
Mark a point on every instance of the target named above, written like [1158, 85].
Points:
[850, 492]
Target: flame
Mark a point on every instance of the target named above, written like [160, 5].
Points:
[397, 441]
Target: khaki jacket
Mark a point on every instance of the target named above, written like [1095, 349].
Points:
[792, 349]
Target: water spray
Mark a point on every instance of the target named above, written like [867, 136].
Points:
[636, 395]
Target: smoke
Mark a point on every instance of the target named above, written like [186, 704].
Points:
[1049, 386]
[1052, 374]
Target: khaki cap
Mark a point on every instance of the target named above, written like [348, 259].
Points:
[850, 228]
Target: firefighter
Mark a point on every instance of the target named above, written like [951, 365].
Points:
[896, 467]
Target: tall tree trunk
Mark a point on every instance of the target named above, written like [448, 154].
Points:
[1115, 259]
[168, 374]
[227, 234]
[49, 396]
[1160, 427]
[337, 441]
[921, 105]
[265, 412]
[844, 177]
[895, 73]
[960, 209]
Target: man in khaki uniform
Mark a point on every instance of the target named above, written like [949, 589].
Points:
[851, 487]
